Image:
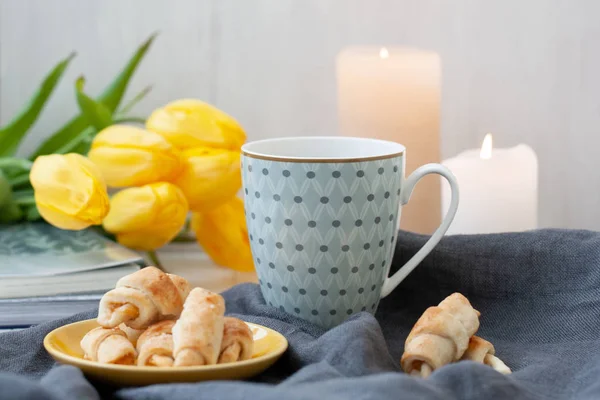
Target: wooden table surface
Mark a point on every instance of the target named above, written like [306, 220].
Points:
[188, 260]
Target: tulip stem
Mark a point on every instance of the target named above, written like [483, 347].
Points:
[136, 99]
[154, 258]
[183, 239]
[138, 120]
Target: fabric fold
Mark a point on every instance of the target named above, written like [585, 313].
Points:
[539, 297]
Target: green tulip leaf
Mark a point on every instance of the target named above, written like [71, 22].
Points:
[111, 98]
[66, 133]
[80, 144]
[32, 213]
[16, 171]
[12, 134]
[84, 144]
[5, 190]
[113, 94]
[10, 212]
[23, 196]
[97, 114]
[15, 166]
[20, 182]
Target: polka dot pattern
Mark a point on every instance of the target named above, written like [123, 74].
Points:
[320, 231]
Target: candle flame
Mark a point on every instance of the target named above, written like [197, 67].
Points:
[486, 147]
[384, 53]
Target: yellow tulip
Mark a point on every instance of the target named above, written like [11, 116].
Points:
[191, 123]
[209, 177]
[223, 234]
[69, 191]
[147, 217]
[129, 156]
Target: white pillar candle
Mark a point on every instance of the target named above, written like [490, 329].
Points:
[394, 94]
[498, 189]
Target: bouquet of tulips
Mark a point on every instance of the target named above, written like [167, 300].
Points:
[185, 159]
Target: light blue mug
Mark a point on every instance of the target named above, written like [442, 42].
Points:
[322, 215]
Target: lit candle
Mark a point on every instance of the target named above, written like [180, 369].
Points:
[394, 94]
[498, 189]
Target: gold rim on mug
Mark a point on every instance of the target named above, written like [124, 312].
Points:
[321, 160]
[296, 159]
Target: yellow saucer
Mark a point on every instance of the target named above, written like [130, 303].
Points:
[63, 345]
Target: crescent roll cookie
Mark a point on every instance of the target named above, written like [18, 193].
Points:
[238, 341]
[108, 346]
[132, 334]
[152, 318]
[459, 306]
[142, 298]
[482, 351]
[198, 333]
[155, 345]
[440, 336]
[182, 285]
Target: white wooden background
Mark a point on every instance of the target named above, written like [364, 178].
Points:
[528, 71]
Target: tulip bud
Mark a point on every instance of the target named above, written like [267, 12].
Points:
[129, 156]
[192, 123]
[69, 191]
[147, 217]
[223, 234]
[210, 177]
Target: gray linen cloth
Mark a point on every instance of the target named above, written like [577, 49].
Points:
[538, 293]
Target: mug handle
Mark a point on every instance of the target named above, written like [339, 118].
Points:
[408, 186]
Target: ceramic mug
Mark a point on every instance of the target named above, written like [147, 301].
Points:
[322, 215]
